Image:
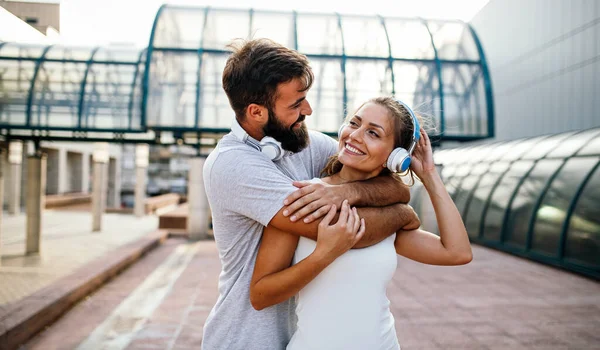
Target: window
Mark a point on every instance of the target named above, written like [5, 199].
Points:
[31, 20]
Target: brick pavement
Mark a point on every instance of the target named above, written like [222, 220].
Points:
[496, 302]
[67, 244]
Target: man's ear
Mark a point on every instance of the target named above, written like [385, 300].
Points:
[257, 113]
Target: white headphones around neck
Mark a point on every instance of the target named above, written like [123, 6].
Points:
[399, 160]
[268, 145]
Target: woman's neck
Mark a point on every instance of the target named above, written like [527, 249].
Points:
[349, 175]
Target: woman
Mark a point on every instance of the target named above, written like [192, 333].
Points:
[342, 301]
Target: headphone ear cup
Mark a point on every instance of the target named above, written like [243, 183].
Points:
[272, 148]
[398, 161]
[340, 130]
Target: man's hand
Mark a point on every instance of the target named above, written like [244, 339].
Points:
[312, 200]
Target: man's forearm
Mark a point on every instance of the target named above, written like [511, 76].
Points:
[377, 192]
[381, 222]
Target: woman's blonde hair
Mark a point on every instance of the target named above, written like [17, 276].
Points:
[403, 134]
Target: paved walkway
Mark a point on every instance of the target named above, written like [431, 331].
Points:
[496, 302]
[67, 244]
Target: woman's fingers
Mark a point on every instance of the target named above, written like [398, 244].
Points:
[361, 231]
[330, 215]
[343, 219]
[350, 222]
[356, 221]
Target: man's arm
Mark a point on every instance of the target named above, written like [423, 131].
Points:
[380, 223]
[313, 200]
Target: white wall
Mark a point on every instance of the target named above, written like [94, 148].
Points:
[544, 59]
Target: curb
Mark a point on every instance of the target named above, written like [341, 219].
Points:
[22, 320]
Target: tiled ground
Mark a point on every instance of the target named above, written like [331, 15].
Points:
[67, 244]
[496, 302]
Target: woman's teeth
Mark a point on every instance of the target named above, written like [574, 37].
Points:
[353, 150]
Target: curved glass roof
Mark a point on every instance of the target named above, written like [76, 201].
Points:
[70, 88]
[437, 66]
[536, 197]
[174, 86]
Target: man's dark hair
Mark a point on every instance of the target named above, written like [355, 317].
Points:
[255, 69]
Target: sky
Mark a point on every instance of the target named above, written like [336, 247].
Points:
[129, 22]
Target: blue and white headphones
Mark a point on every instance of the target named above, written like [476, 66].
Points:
[268, 145]
[399, 160]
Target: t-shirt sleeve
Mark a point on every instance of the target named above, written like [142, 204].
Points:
[249, 184]
[325, 147]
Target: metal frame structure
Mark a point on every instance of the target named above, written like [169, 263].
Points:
[165, 97]
[450, 158]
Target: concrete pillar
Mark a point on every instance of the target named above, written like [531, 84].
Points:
[197, 222]
[100, 160]
[1, 197]
[85, 172]
[74, 175]
[15, 159]
[36, 196]
[142, 154]
[114, 183]
[63, 177]
[52, 170]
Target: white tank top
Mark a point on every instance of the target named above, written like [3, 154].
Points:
[345, 306]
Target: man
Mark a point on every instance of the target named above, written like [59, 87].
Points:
[247, 181]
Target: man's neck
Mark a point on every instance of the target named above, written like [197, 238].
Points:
[255, 132]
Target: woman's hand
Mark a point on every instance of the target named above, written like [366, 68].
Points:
[335, 240]
[422, 158]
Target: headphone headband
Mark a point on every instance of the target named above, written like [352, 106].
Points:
[416, 126]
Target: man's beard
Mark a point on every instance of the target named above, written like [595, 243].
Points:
[293, 140]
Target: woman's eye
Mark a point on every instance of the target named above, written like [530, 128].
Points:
[353, 124]
[373, 133]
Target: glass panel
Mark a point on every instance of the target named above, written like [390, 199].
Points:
[319, 35]
[108, 96]
[418, 85]
[551, 214]
[483, 152]
[172, 90]
[571, 145]
[494, 217]
[364, 36]
[223, 26]
[15, 82]
[56, 94]
[117, 54]
[365, 80]
[326, 96]
[546, 145]
[522, 206]
[467, 185]
[278, 27]
[215, 111]
[409, 39]
[453, 40]
[448, 171]
[583, 236]
[592, 148]
[22, 50]
[69, 53]
[518, 150]
[480, 196]
[465, 111]
[500, 149]
[180, 28]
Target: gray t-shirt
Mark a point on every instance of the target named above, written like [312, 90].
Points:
[245, 190]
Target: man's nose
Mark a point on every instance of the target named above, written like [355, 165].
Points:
[306, 108]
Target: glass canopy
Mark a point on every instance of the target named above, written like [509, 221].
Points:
[538, 199]
[174, 86]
